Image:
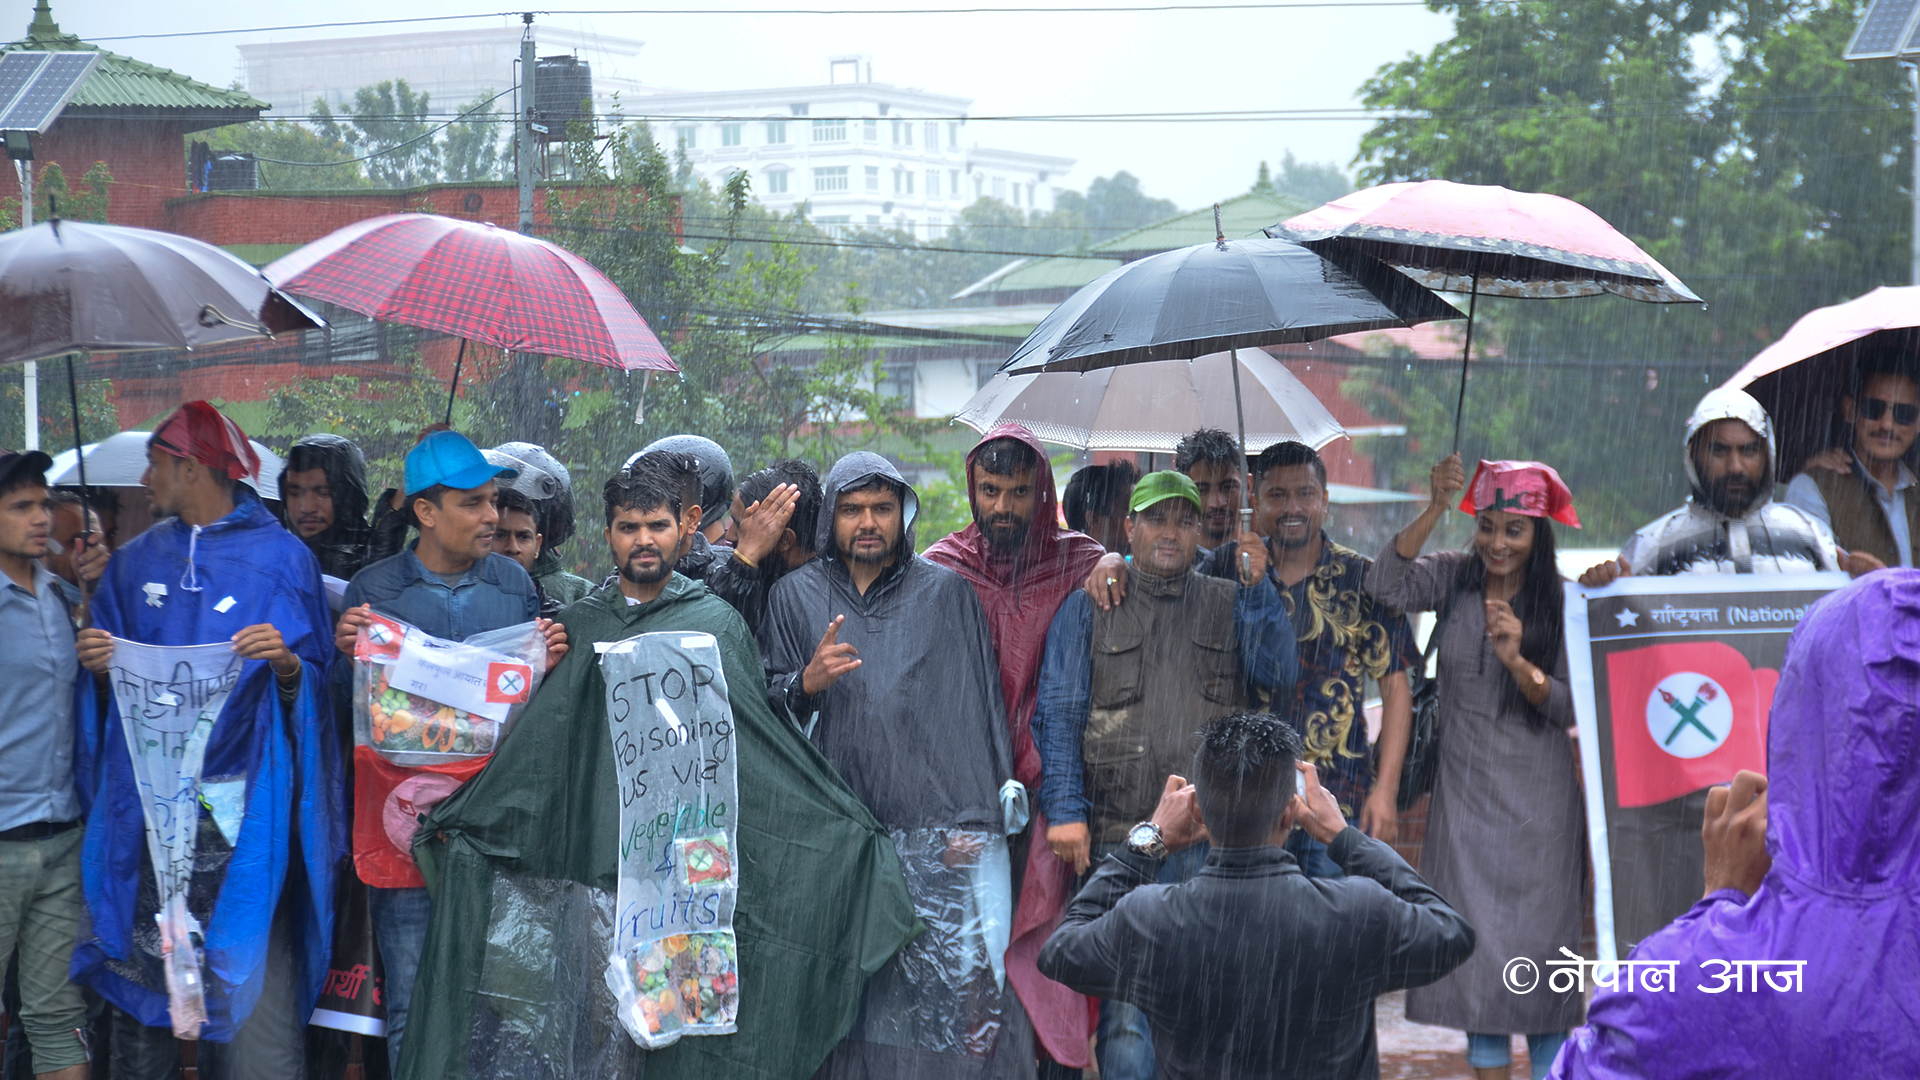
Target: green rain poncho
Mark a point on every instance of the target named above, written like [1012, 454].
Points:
[522, 863]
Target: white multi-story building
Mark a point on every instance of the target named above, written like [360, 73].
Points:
[857, 153]
[452, 66]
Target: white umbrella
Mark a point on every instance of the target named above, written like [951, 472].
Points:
[1151, 406]
[120, 460]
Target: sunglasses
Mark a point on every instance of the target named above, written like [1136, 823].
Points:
[1874, 408]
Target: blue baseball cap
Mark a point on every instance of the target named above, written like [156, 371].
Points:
[450, 458]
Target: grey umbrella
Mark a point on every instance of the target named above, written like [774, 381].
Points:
[1192, 301]
[70, 287]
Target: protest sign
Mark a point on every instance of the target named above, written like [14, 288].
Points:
[427, 714]
[674, 969]
[169, 698]
[1672, 681]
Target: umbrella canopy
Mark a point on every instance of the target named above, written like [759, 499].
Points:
[477, 283]
[119, 460]
[1474, 237]
[72, 286]
[1214, 297]
[1801, 378]
[1152, 406]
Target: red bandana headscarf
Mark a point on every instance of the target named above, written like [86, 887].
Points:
[1520, 487]
[199, 431]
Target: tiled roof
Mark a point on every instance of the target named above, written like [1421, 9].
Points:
[121, 82]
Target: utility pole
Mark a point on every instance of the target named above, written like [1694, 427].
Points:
[1913, 79]
[528, 125]
[30, 377]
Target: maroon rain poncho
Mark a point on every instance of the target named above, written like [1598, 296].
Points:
[1020, 595]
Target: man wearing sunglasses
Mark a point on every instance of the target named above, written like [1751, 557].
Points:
[1865, 492]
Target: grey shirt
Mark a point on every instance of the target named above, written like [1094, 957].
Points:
[37, 672]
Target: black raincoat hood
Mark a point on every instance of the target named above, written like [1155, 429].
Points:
[848, 472]
[342, 548]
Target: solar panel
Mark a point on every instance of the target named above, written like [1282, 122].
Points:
[17, 69]
[1883, 29]
[37, 101]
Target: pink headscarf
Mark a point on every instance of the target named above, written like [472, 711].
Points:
[199, 431]
[1520, 487]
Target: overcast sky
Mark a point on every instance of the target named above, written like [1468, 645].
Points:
[1007, 63]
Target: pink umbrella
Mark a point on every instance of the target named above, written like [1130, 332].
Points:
[1800, 378]
[478, 283]
[1477, 239]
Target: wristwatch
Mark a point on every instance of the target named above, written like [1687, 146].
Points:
[1145, 839]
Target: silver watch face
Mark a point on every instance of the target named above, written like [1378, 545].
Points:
[1142, 836]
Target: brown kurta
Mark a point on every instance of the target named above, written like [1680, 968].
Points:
[1505, 829]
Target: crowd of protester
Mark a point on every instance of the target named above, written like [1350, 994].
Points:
[965, 797]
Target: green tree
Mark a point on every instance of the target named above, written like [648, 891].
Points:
[50, 190]
[389, 120]
[472, 149]
[1312, 183]
[382, 411]
[1771, 179]
[277, 142]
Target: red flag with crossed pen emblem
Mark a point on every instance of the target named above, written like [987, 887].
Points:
[1685, 717]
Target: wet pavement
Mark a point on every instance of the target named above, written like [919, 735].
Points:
[1410, 1051]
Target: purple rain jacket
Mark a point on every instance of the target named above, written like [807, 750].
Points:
[1843, 827]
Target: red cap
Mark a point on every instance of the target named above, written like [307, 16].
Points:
[199, 431]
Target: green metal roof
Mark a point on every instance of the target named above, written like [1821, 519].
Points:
[121, 83]
[1240, 217]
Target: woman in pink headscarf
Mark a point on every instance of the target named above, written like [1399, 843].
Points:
[1504, 830]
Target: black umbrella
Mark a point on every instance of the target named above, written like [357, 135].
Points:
[1223, 296]
[71, 287]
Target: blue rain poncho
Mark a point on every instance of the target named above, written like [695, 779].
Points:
[271, 770]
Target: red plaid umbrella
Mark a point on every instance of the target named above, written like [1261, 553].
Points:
[1482, 238]
[478, 283]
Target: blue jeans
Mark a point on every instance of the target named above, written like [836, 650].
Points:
[1496, 1051]
[1312, 856]
[1125, 1041]
[400, 918]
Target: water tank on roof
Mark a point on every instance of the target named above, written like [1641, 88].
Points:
[233, 172]
[563, 92]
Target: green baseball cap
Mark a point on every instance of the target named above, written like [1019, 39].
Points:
[1161, 486]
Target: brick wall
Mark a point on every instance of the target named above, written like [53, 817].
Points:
[147, 159]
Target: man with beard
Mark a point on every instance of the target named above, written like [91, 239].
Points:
[886, 660]
[1729, 525]
[770, 529]
[705, 473]
[1023, 564]
[450, 584]
[323, 490]
[528, 850]
[1123, 690]
[1345, 639]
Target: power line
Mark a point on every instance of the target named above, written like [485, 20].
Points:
[997, 10]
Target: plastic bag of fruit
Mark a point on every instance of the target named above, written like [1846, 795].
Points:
[420, 700]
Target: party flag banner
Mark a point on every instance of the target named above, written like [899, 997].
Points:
[1672, 681]
[674, 969]
[170, 697]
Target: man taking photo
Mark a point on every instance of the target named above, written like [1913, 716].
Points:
[1252, 969]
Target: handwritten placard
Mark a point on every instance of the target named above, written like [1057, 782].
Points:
[170, 697]
[674, 968]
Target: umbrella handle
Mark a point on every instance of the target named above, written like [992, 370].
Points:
[86, 509]
[454, 387]
[1466, 354]
[1240, 415]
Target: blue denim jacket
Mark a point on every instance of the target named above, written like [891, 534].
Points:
[1268, 655]
[495, 593]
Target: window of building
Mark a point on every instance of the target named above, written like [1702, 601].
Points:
[979, 186]
[933, 183]
[908, 176]
[776, 181]
[834, 130]
[798, 110]
[730, 134]
[873, 178]
[1000, 188]
[953, 182]
[837, 225]
[873, 219]
[870, 130]
[1029, 196]
[953, 136]
[776, 133]
[830, 178]
[896, 381]
[932, 135]
[902, 133]
[688, 138]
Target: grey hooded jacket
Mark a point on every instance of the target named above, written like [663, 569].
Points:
[1771, 537]
[919, 729]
